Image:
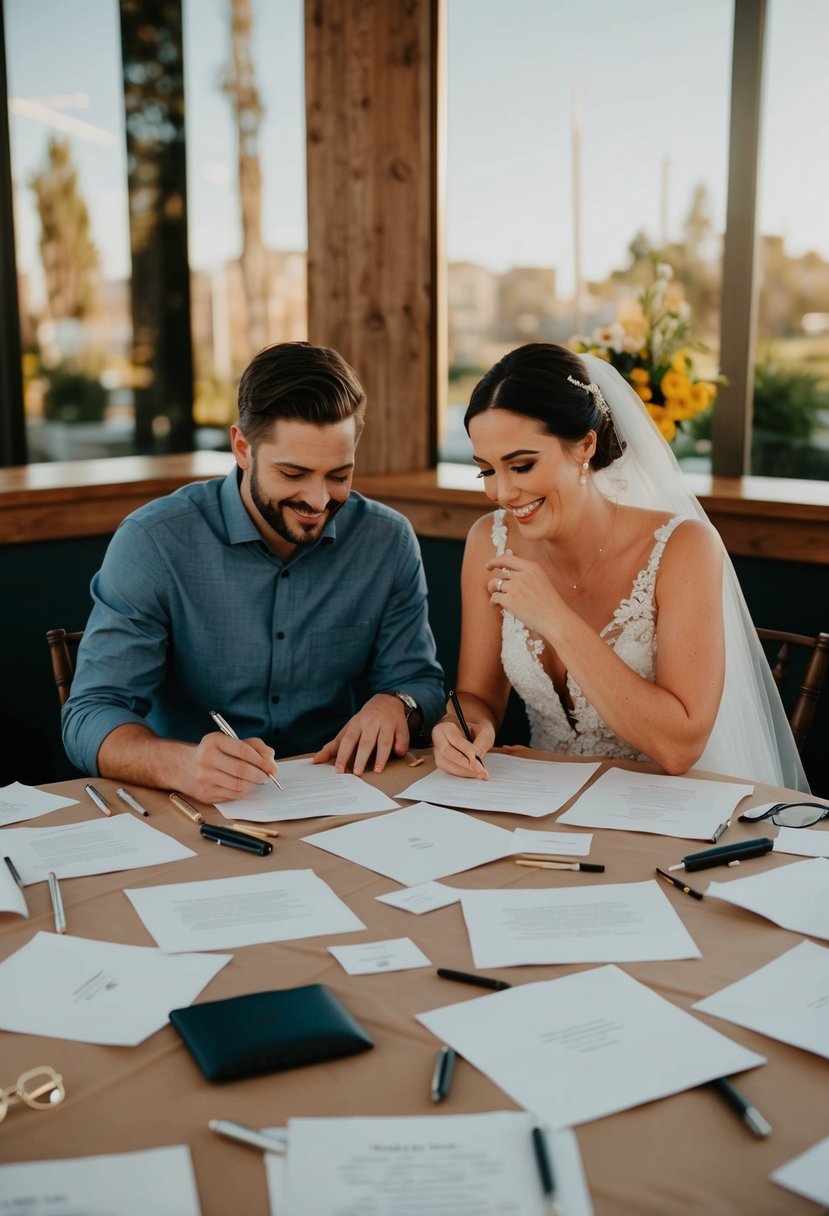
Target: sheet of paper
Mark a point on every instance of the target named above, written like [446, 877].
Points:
[277, 906]
[417, 844]
[788, 999]
[617, 922]
[153, 1180]
[97, 846]
[311, 790]
[555, 844]
[12, 898]
[648, 802]
[795, 897]
[97, 992]
[19, 802]
[400, 1165]
[805, 842]
[807, 1174]
[586, 1045]
[516, 786]
[425, 897]
[399, 954]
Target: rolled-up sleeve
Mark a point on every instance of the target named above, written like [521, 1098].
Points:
[122, 656]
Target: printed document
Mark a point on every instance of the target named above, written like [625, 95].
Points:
[368, 958]
[788, 999]
[586, 1045]
[795, 897]
[311, 790]
[399, 1165]
[155, 1180]
[648, 802]
[807, 1174]
[97, 992]
[553, 844]
[425, 897]
[97, 846]
[19, 802]
[516, 786]
[417, 844]
[617, 922]
[277, 906]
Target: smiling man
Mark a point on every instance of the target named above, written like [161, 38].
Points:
[277, 596]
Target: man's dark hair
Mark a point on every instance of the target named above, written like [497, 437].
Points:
[298, 381]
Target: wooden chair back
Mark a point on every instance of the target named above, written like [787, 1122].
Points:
[63, 647]
[802, 709]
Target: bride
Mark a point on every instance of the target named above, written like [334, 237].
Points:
[599, 590]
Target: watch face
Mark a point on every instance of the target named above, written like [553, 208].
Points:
[408, 701]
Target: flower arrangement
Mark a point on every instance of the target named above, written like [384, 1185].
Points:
[650, 345]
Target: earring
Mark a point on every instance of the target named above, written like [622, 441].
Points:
[583, 478]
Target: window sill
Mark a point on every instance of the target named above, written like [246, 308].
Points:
[762, 517]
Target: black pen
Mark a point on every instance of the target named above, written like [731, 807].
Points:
[237, 840]
[725, 854]
[541, 1150]
[681, 886]
[749, 1114]
[442, 1075]
[13, 871]
[590, 867]
[480, 981]
[462, 722]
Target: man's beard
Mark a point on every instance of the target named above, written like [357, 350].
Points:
[274, 514]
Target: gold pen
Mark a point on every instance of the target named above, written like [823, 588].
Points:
[254, 829]
[589, 867]
[186, 808]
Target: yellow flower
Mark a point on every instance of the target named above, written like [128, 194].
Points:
[643, 391]
[640, 375]
[673, 384]
[679, 363]
[701, 395]
[668, 428]
[679, 407]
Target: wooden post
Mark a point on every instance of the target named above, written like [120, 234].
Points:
[371, 94]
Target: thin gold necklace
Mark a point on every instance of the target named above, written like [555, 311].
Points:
[575, 586]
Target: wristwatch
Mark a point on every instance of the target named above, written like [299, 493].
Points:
[409, 704]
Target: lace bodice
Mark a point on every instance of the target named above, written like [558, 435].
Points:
[632, 634]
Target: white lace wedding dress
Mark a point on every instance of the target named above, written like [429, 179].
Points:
[577, 729]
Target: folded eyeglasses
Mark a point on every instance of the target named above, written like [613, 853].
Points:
[40, 1088]
[789, 814]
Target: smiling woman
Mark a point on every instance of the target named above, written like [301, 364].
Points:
[596, 551]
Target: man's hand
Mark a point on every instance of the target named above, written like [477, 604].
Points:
[223, 769]
[379, 728]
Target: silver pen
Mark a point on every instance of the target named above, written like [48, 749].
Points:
[98, 799]
[720, 830]
[57, 903]
[13, 871]
[132, 802]
[228, 730]
[247, 1135]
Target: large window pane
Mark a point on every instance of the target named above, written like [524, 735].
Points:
[246, 206]
[790, 435]
[71, 225]
[576, 148]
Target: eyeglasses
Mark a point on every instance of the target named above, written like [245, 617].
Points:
[41, 1088]
[789, 814]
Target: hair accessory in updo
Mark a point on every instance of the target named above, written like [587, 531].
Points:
[595, 392]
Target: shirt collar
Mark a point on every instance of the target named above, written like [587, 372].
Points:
[240, 527]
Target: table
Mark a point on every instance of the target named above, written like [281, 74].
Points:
[685, 1154]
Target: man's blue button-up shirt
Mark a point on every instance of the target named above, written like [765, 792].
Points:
[193, 611]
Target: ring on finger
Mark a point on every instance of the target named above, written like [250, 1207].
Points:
[499, 582]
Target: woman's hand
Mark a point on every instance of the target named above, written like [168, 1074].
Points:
[456, 755]
[524, 589]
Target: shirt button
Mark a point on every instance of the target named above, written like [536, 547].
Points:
[275, 700]
[280, 635]
[285, 573]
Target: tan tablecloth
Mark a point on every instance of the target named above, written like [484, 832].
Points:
[684, 1154]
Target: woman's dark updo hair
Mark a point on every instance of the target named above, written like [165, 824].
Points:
[532, 381]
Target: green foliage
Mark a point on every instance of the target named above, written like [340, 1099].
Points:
[69, 256]
[73, 396]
